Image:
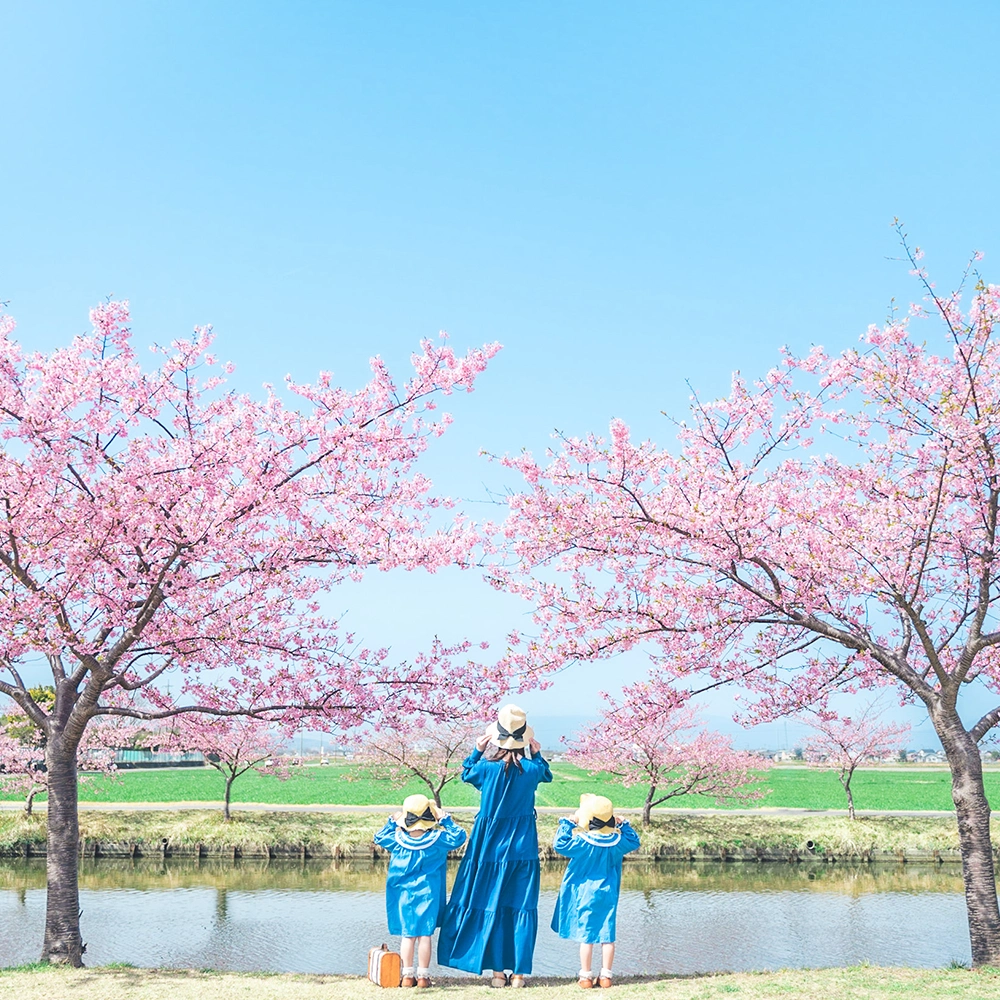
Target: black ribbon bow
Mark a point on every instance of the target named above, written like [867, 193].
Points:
[412, 818]
[503, 734]
[600, 824]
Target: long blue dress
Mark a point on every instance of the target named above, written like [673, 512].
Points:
[415, 890]
[492, 916]
[588, 897]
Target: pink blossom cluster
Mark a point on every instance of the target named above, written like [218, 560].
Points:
[156, 523]
[830, 526]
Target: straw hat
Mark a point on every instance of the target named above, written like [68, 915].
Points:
[419, 813]
[511, 731]
[596, 814]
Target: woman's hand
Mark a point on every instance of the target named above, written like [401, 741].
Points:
[534, 746]
[574, 817]
[399, 818]
[484, 741]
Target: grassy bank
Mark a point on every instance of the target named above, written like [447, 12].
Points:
[721, 836]
[862, 981]
[909, 788]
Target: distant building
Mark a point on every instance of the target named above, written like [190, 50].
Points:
[127, 759]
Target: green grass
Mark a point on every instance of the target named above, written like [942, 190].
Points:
[915, 788]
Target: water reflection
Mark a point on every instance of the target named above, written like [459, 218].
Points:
[322, 916]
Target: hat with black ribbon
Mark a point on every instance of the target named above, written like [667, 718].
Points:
[596, 814]
[511, 730]
[419, 813]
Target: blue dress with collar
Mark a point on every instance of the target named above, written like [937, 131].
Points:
[588, 897]
[415, 890]
[492, 916]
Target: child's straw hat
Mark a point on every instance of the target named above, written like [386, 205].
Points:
[419, 813]
[596, 814]
[511, 730]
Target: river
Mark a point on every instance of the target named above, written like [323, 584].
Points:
[323, 916]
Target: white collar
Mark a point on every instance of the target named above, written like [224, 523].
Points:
[416, 843]
[600, 839]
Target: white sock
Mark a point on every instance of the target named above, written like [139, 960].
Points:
[408, 970]
[606, 973]
[586, 974]
[423, 973]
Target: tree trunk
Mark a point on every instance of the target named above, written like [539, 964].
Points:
[225, 802]
[29, 802]
[648, 806]
[845, 780]
[63, 944]
[973, 811]
[437, 797]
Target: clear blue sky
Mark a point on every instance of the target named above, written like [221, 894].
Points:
[626, 195]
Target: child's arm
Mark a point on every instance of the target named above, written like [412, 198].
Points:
[630, 839]
[540, 766]
[566, 842]
[451, 833]
[472, 771]
[386, 837]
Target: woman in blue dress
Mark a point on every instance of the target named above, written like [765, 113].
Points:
[492, 916]
[587, 907]
[418, 840]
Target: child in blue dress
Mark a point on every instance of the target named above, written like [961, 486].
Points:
[418, 838]
[595, 843]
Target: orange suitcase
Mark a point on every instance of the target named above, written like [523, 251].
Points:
[385, 968]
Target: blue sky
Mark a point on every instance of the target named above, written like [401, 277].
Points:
[628, 196]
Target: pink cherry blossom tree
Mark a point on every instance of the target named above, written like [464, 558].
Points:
[232, 745]
[155, 523]
[844, 743]
[22, 765]
[22, 755]
[650, 739]
[845, 503]
[429, 750]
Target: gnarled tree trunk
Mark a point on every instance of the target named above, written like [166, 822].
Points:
[29, 802]
[845, 780]
[973, 811]
[230, 778]
[647, 806]
[63, 944]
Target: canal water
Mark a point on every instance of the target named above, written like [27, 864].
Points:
[323, 916]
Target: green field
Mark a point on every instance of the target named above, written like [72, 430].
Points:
[787, 787]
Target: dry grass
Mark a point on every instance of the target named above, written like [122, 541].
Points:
[333, 834]
[858, 982]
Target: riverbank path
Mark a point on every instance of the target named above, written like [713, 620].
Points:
[259, 807]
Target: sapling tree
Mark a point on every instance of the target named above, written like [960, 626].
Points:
[232, 745]
[22, 754]
[22, 764]
[152, 521]
[846, 742]
[845, 503]
[650, 739]
[430, 750]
